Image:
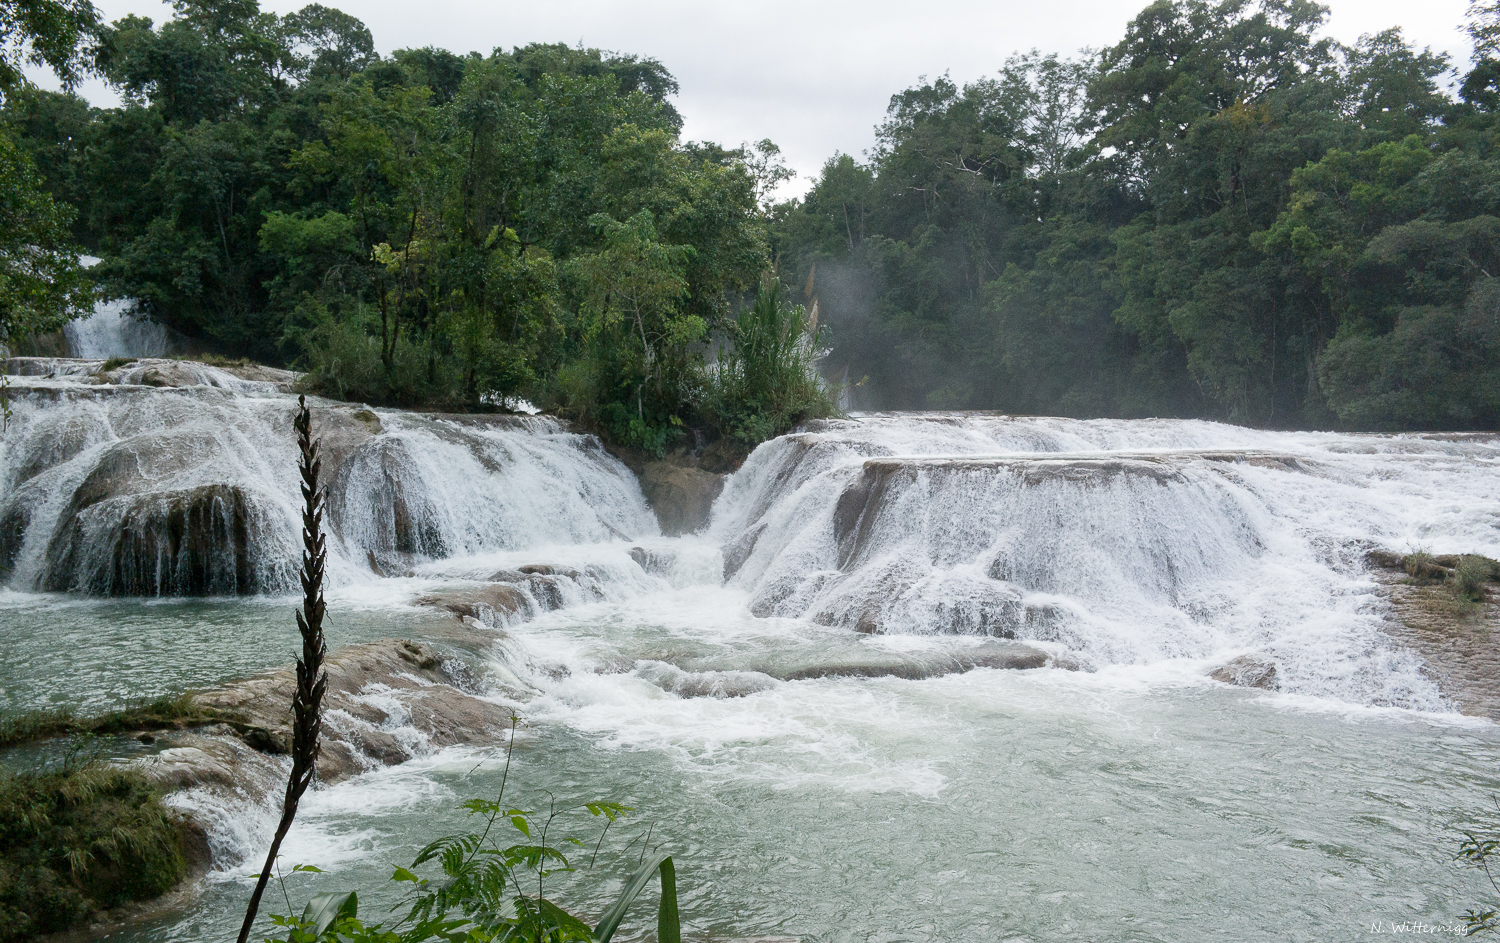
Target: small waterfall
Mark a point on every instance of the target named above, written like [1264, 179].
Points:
[111, 331]
[117, 488]
[1124, 542]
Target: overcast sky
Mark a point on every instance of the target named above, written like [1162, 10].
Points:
[812, 75]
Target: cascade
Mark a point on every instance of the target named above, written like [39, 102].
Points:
[111, 331]
[1122, 542]
[166, 478]
[1101, 543]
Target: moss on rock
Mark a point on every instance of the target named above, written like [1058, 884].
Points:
[78, 840]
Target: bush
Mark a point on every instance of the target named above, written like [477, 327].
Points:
[342, 360]
[481, 891]
[765, 382]
[79, 839]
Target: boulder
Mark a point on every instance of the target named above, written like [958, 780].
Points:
[654, 562]
[1247, 671]
[386, 702]
[378, 500]
[496, 605]
[193, 542]
[682, 497]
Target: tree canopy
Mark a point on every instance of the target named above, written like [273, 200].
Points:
[1225, 214]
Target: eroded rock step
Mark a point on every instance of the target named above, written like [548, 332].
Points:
[1458, 640]
[386, 702]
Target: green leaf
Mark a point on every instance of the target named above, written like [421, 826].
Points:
[610, 810]
[668, 922]
[323, 909]
[402, 874]
[311, 868]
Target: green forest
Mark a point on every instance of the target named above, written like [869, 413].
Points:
[1225, 215]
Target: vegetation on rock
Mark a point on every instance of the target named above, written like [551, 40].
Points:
[166, 712]
[75, 840]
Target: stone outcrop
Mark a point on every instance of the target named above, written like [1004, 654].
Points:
[680, 488]
[681, 496]
[510, 596]
[1247, 671]
[1458, 638]
[875, 662]
[386, 702]
[194, 542]
[495, 604]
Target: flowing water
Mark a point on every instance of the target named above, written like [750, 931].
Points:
[776, 696]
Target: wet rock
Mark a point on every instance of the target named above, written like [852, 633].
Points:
[737, 551]
[654, 562]
[161, 372]
[1385, 559]
[856, 509]
[342, 431]
[682, 497]
[722, 457]
[865, 660]
[386, 702]
[15, 518]
[1247, 671]
[496, 605]
[1457, 638]
[549, 569]
[377, 495]
[194, 542]
[211, 757]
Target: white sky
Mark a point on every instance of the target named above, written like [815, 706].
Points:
[812, 75]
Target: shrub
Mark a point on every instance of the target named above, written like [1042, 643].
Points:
[482, 893]
[765, 381]
[1470, 575]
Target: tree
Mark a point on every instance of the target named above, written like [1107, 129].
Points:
[42, 285]
[49, 33]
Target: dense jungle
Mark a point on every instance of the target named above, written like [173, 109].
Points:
[1223, 215]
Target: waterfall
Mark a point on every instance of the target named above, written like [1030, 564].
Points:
[112, 331]
[1124, 542]
[119, 488]
[1105, 543]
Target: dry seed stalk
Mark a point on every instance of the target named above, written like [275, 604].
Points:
[308, 701]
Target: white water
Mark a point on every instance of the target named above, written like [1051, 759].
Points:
[112, 331]
[1139, 800]
[1132, 543]
[96, 481]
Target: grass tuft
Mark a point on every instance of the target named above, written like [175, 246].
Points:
[173, 712]
[1470, 575]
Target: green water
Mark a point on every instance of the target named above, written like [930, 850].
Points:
[1132, 804]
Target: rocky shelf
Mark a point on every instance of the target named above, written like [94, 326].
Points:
[1458, 641]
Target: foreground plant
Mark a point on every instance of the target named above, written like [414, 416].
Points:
[483, 891]
[1480, 849]
[307, 702]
